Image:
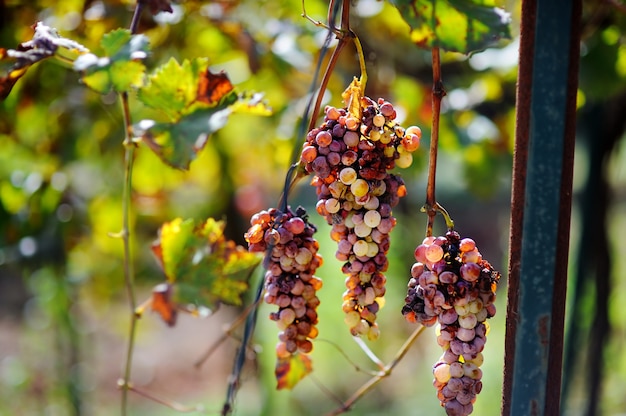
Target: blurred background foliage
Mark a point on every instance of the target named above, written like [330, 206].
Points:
[63, 312]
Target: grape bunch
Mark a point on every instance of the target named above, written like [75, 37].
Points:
[350, 157]
[290, 284]
[453, 286]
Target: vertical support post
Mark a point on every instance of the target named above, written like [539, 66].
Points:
[541, 205]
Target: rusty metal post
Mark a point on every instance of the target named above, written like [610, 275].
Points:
[541, 205]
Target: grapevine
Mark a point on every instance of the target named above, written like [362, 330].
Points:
[350, 155]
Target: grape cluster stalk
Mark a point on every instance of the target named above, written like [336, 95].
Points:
[290, 281]
[350, 156]
[453, 286]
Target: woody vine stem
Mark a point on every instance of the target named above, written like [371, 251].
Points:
[129, 154]
[431, 207]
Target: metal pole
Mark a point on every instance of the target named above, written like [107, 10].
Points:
[541, 205]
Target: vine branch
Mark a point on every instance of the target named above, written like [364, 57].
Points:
[129, 155]
[431, 207]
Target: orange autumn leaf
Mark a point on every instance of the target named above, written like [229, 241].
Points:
[163, 304]
[213, 87]
[203, 268]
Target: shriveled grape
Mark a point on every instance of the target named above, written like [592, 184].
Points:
[356, 190]
[287, 240]
[453, 286]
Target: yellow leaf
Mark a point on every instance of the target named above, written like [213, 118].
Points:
[352, 98]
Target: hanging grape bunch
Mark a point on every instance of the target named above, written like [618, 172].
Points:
[451, 284]
[350, 156]
[290, 284]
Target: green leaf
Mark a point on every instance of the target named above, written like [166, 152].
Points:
[180, 89]
[455, 25]
[177, 144]
[290, 370]
[205, 268]
[114, 41]
[120, 45]
[173, 87]
[126, 74]
[121, 69]
[197, 102]
[174, 236]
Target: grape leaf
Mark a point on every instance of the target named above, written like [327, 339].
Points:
[180, 89]
[46, 42]
[177, 144]
[202, 265]
[121, 69]
[174, 238]
[290, 370]
[197, 103]
[172, 88]
[464, 26]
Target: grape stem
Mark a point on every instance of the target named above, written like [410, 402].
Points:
[431, 207]
[343, 39]
[440, 209]
[359, 51]
[296, 171]
[384, 373]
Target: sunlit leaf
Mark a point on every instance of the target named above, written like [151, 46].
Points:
[173, 86]
[46, 42]
[454, 25]
[205, 268]
[197, 102]
[213, 87]
[177, 144]
[180, 89]
[174, 239]
[290, 370]
[121, 69]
